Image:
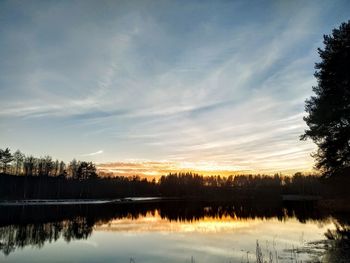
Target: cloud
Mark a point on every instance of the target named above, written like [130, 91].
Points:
[93, 154]
[218, 82]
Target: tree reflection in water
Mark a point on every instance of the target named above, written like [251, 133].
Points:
[22, 226]
[337, 245]
[20, 236]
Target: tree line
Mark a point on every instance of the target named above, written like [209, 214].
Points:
[240, 186]
[28, 177]
[20, 164]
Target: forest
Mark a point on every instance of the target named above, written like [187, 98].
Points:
[28, 177]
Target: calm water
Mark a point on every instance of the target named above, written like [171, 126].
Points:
[168, 232]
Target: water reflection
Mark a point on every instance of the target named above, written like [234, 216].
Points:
[36, 225]
[337, 244]
[19, 236]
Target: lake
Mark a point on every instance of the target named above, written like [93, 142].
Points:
[172, 231]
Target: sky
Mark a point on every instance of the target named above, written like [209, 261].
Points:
[149, 87]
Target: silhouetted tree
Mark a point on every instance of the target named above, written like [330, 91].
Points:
[329, 109]
[29, 163]
[56, 167]
[18, 158]
[1, 154]
[73, 168]
[86, 170]
[48, 165]
[5, 158]
[62, 169]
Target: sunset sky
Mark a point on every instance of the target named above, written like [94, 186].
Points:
[147, 87]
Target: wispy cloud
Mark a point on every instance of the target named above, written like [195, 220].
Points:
[219, 83]
[93, 153]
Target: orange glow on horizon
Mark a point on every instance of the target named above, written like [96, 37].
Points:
[154, 222]
[153, 169]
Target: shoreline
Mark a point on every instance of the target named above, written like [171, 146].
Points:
[47, 202]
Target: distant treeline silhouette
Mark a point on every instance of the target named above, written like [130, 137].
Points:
[20, 164]
[27, 177]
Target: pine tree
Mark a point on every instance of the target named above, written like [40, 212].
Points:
[328, 110]
[5, 158]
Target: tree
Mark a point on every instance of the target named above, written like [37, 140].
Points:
[62, 169]
[1, 155]
[56, 167]
[86, 170]
[328, 110]
[40, 164]
[18, 157]
[48, 165]
[5, 158]
[73, 168]
[29, 164]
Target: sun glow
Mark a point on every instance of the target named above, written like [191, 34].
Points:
[155, 223]
[211, 167]
[153, 169]
[157, 169]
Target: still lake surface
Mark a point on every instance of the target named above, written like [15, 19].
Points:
[169, 232]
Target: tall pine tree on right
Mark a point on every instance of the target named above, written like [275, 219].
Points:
[328, 110]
